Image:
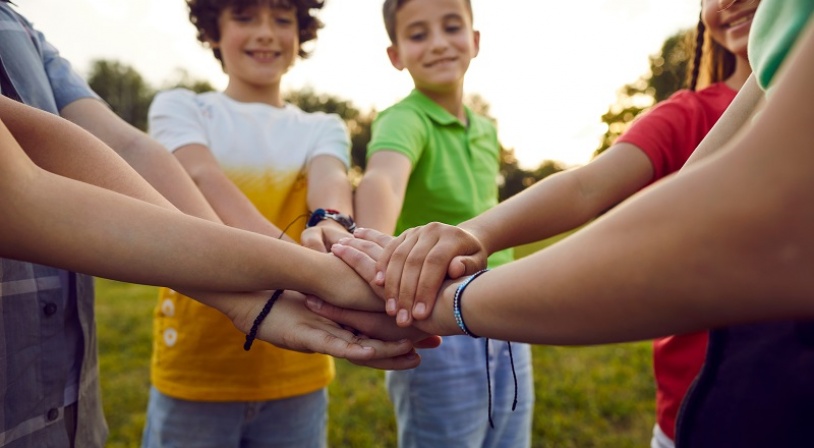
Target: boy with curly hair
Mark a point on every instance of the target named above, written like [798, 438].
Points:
[251, 154]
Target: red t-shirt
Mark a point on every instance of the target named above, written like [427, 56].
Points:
[668, 134]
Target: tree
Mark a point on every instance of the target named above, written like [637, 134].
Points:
[184, 80]
[124, 89]
[668, 72]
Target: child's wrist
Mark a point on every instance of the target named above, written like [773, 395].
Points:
[320, 215]
[479, 235]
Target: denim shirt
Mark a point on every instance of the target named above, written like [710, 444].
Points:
[36, 329]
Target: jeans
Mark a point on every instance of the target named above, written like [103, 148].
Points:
[295, 422]
[444, 401]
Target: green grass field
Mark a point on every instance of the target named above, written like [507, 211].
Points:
[584, 397]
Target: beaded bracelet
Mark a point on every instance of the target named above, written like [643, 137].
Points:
[259, 319]
[459, 319]
[456, 303]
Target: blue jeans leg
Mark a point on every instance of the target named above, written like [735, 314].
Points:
[295, 422]
[444, 402]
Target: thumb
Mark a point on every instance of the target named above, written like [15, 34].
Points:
[462, 265]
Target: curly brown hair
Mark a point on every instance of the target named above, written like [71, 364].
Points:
[204, 15]
[391, 7]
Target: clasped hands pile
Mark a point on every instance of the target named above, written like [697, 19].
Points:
[407, 275]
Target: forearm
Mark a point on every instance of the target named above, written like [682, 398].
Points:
[564, 201]
[329, 186]
[149, 159]
[232, 206]
[377, 206]
[62, 148]
[541, 211]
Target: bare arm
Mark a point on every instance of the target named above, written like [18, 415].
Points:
[737, 115]
[141, 152]
[417, 263]
[380, 194]
[230, 204]
[329, 188]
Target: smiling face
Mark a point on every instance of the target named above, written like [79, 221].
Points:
[729, 21]
[258, 45]
[435, 43]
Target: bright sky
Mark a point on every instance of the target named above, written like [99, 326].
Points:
[548, 68]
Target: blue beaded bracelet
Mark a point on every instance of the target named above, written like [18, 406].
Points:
[456, 304]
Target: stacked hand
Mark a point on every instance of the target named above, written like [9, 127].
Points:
[408, 272]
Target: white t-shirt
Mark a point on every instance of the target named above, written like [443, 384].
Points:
[263, 149]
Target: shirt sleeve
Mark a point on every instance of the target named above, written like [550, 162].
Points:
[668, 133]
[66, 84]
[175, 119]
[401, 130]
[333, 138]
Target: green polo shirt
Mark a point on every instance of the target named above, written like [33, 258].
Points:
[454, 167]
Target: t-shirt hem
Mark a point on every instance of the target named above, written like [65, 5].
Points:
[184, 393]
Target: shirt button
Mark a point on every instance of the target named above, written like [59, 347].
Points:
[53, 413]
[50, 309]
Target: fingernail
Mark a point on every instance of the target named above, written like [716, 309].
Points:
[390, 307]
[420, 308]
[313, 303]
[379, 277]
[402, 316]
[343, 240]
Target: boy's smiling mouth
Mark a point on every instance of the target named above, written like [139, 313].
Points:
[440, 61]
[263, 55]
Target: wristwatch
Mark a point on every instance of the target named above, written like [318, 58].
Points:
[321, 214]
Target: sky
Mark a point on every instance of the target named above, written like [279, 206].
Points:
[548, 68]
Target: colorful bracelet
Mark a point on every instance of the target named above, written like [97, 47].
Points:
[456, 304]
[259, 319]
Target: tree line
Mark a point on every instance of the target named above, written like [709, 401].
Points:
[129, 96]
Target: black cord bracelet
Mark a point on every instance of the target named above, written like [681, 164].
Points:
[259, 319]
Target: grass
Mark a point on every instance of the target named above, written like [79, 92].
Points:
[584, 397]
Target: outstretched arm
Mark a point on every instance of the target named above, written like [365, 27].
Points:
[419, 260]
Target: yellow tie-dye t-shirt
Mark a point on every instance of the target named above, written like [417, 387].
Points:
[197, 352]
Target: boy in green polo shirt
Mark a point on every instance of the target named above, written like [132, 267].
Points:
[432, 159]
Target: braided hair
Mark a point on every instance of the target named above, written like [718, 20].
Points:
[720, 63]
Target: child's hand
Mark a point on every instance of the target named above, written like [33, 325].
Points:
[292, 326]
[413, 267]
[442, 321]
[323, 235]
[371, 324]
